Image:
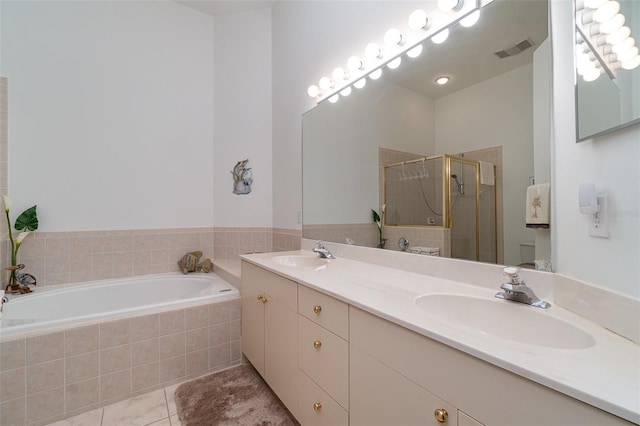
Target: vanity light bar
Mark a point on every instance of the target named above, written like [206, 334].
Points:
[420, 27]
[603, 43]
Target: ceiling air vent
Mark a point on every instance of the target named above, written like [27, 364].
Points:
[514, 50]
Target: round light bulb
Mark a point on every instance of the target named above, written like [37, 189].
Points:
[628, 55]
[441, 37]
[376, 74]
[470, 20]
[393, 37]
[395, 63]
[360, 83]
[623, 46]
[619, 35]
[415, 52]
[442, 80]
[612, 24]
[418, 20]
[592, 75]
[334, 99]
[447, 5]
[354, 63]
[325, 83]
[594, 4]
[373, 51]
[607, 11]
[339, 74]
[346, 91]
[631, 64]
[313, 91]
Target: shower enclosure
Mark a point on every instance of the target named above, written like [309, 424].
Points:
[444, 192]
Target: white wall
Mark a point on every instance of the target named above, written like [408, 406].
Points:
[110, 113]
[611, 162]
[496, 112]
[243, 116]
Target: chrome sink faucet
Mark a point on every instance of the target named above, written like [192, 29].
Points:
[322, 251]
[517, 291]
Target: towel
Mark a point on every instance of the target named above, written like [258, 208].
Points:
[538, 206]
[487, 173]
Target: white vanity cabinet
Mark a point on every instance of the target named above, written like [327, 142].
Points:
[323, 359]
[384, 355]
[270, 330]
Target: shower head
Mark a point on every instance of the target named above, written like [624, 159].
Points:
[459, 184]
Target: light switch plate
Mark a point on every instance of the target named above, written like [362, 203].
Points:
[599, 222]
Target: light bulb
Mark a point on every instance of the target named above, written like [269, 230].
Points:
[346, 91]
[612, 24]
[395, 63]
[394, 37]
[373, 51]
[415, 52]
[418, 20]
[628, 55]
[334, 99]
[623, 46]
[376, 74]
[441, 37]
[448, 5]
[442, 80]
[631, 64]
[339, 74]
[360, 83]
[313, 91]
[325, 83]
[619, 35]
[470, 20]
[354, 63]
[594, 4]
[592, 75]
[607, 11]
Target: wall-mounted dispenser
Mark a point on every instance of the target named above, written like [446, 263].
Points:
[595, 206]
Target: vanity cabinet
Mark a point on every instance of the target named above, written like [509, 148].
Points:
[270, 330]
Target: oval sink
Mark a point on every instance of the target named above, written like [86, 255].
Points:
[507, 320]
[301, 261]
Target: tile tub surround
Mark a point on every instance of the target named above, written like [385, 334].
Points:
[49, 377]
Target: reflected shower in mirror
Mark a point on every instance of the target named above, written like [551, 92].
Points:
[607, 66]
[483, 114]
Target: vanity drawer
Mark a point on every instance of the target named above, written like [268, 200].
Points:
[316, 407]
[325, 358]
[271, 285]
[324, 310]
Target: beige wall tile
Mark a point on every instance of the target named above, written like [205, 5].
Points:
[81, 340]
[12, 384]
[172, 345]
[45, 405]
[56, 247]
[235, 311]
[234, 330]
[80, 245]
[122, 243]
[145, 376]
[197, 362]
[12, 354]
[103, 244]
[80, 263]
[82, 394]
[102, 261]
[219, 312]
[115, 333]
[197, 316]
[82, 367]
[45, 348]
[145, 351]
[236, 351]
[44, 376]
[172, 369]
[115, 359]
[144, 327]
[197, 339]
[219, 334]
[56, 264]
[13, 412]
[219, 356]
[172, 322]
[115, 386]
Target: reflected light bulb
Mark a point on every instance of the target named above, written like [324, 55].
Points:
[607, 11]
[334, 99]
[394, 37]
[346, 91]
[441, 37]
[373, 51]
[628, 55]
[623, 46]
[619, 35]
[470, 20]
[339, 74]
[442, 80]
[325, 83]
[448, 5]
[313, 91]
[612, 24]
[395, 63]
[631, 64]
[418, 20]
[354, 63]
[415, 52]
[360, 83]
[594, 4]
[376, 74]
[592, 75]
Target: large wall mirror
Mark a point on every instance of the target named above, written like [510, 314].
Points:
[607, 66]
[494, 110]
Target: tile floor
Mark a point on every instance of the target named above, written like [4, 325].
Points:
[157, 408]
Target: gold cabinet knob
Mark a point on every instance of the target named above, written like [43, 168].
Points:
[317, 344]
[317, 309]
[441, 415]
[260, 297]
[317, 406]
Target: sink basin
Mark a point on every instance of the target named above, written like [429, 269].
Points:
[301, 261]
[507, 320]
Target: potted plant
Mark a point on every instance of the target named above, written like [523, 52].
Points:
[27, 222]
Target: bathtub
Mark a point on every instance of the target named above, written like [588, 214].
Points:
[105, 341]
[51, 307]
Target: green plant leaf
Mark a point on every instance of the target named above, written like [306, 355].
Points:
[376, 217]
[28, 220]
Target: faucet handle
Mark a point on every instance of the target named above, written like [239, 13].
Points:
[513, 274]
[319, 244]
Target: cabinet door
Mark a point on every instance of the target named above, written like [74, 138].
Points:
[253, 325]
[381, 396]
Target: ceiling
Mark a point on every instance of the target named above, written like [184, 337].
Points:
[216, 7]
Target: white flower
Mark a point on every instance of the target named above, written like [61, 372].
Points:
[7, 202]
[22, 236]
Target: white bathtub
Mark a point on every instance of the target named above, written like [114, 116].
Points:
[52, 307]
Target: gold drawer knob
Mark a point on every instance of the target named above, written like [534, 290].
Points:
[262, 299]
[317, 344]
[317, 309]
[317, 406]
[441, 415]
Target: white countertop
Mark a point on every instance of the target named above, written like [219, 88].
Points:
[606, 375]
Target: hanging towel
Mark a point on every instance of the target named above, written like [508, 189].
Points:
[487, 173]
[538, 206]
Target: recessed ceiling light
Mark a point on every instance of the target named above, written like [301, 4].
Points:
[442, 80]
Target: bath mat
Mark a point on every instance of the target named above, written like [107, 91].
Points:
[237, 396]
